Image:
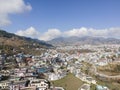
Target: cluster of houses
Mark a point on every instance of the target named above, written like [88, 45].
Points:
[39, 84]
[30, 72]
[34, 72]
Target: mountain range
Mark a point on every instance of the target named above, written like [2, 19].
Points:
[83, 40]
[13, 40]
[11, 44]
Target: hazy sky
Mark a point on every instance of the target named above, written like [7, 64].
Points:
[48, 19]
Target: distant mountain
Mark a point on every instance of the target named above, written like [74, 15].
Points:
[15, 40]
[9, 41]
[83, 40]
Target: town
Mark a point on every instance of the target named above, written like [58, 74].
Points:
[40, 72]
[59, 44]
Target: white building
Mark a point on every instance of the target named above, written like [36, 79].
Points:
[39, 83]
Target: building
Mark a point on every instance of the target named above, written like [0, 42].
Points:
[40, 84]
[85, 87]
[99, 87]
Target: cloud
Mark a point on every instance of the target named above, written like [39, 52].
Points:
[8, 7]
[114, 32]
[50, 34]
[107, 33]
[80, 32]
[86, 32]
[76, 32]
[30, 32]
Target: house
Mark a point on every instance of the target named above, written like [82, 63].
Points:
[53, 76]
[102, 62]
[4, 85]
[36, 58]
[90, 80]
[17, 85]
[20, 72]
[85, 87]
[40, 84]
[71, 68]
[30, 75]
[5, 72]
[99, 87]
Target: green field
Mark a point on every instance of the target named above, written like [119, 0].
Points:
[70, 82]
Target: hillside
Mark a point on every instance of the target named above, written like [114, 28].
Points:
[11, 41]
[70, 82]
[83, 40]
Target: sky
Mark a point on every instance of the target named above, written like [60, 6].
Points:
[49, 19]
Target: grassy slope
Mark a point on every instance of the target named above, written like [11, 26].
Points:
[110, 69]
[70, 82]
[110, 85]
